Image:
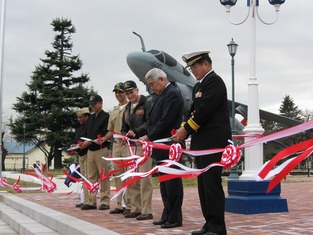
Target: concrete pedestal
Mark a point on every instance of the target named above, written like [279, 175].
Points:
[250, 197]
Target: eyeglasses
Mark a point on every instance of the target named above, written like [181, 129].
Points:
[194, 66]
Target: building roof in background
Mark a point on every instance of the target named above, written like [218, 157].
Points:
[15, 147]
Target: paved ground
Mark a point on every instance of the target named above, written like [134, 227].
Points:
[299, 219]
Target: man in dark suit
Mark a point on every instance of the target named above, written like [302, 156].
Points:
[165, 115]
[209, 128]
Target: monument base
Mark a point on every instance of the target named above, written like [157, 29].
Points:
[250, 197]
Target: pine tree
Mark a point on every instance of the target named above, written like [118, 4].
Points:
[56, 90]
[289, 109]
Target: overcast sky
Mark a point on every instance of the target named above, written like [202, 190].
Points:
[284, 62]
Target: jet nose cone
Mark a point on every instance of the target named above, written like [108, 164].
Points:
[135, 59]
[138, 62]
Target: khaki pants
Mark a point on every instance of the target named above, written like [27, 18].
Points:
[83, 171]
[140, 192]
[95, 164]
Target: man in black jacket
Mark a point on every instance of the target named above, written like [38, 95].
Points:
[134, 125]
[165, 115]
[209, 128]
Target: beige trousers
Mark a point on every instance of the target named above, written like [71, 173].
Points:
[95, 164]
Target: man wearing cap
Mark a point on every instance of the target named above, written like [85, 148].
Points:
[82, 117]
[166, 115]
[209, 127]
[135, 124]
[96, 128]
[118, 149]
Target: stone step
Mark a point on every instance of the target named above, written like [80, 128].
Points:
[28, 218]
[5, 229]
[22, 223]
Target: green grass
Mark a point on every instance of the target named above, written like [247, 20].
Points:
[21, 183]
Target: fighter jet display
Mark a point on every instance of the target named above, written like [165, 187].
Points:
[141, 62]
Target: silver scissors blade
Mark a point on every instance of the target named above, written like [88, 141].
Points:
[73, 148]
[169, 139]
[87, 139]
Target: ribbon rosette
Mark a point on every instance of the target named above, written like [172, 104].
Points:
[231, 156]
[175, 152]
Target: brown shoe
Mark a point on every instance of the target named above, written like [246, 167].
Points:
[144, 217]
[116, 211]
[132, 215]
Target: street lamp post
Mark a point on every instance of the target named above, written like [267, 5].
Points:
[254, 154]
[247, 195]
[232, 48]
[24, 127]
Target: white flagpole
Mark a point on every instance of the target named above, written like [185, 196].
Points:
[2, 29]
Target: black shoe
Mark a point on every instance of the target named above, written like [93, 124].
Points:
[171, 225]
[199, 232]
[159, 222]
[79, 205]
[88, 207]
[126, 211]
[103, 207]
[116, 211]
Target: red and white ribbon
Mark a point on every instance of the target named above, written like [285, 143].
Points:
[230, 157]
[47, 185]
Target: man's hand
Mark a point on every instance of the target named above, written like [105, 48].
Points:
[131, 133]
[180, 134]
[83, 145]
[144, 138]
[100, 141]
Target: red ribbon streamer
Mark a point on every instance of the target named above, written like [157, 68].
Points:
[283, 154]
[289, 168]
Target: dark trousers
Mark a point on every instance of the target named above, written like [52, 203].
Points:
[211, 194]
[172, 196]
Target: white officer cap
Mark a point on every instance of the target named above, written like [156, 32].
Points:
[192, 57]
